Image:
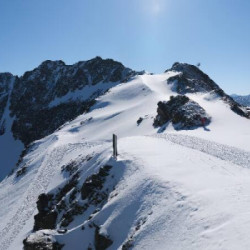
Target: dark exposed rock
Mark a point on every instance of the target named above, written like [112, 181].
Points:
[31, 125]
[67, 187]
[21, 171]
[95, 183]
[127, 245]
[75, 209]
[70, 168]
[101, 242]
[43, 202]
[182, 112]
[91, 190]
[59, 209]
[33, 93]
[191, 80]
[45, 219]
[139, 121]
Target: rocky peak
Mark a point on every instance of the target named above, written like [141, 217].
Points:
[192, 80]
[51, 64]
[51, 81]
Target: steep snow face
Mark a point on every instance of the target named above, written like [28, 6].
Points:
[39, 102]
[10, 148]
[184, 189]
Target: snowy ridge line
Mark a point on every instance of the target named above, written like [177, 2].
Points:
[26, 210]
[227, 153]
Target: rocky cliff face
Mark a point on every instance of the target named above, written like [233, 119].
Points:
[53, 93]
[182, 112]
[191, 79]
[39, 102]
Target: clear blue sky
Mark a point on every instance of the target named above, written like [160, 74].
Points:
[142, 34]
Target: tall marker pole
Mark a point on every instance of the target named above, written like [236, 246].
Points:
[115, 153]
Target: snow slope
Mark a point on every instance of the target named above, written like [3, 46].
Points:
[10, 148]
[174, 190]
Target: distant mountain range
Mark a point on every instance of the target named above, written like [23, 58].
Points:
[242, 99]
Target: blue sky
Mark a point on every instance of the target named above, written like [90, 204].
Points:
[142, 34]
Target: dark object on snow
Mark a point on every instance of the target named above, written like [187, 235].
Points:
[115, 153]
[101, 242]
[139, 121]
[21, 171]
[127, 245]
[182, 112]
[45, 219]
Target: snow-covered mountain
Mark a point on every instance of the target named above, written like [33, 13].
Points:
[37, 103]
[180, 181]
[242, 99]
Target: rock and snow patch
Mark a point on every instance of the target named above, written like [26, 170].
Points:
[41, 240]
[170, 189]
[182, 112]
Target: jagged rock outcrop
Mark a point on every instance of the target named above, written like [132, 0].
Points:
[43, 99]
[182, 112]
[191, 80]
[60, 207]
[46, 218]
[102, 242]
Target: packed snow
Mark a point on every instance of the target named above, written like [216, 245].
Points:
[175, 190]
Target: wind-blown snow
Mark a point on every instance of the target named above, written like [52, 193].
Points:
[175, 190]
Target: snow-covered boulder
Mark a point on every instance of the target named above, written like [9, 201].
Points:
[41, 240]
[182, 112]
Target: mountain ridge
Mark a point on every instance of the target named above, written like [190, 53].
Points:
[242, 99]
[53, 93]
[169, 185]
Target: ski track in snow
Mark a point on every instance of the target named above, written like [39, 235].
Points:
[49, 168]
[221, 151]
[38, 186]
[25, 211]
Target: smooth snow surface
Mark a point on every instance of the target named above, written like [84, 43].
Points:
[175, 190]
